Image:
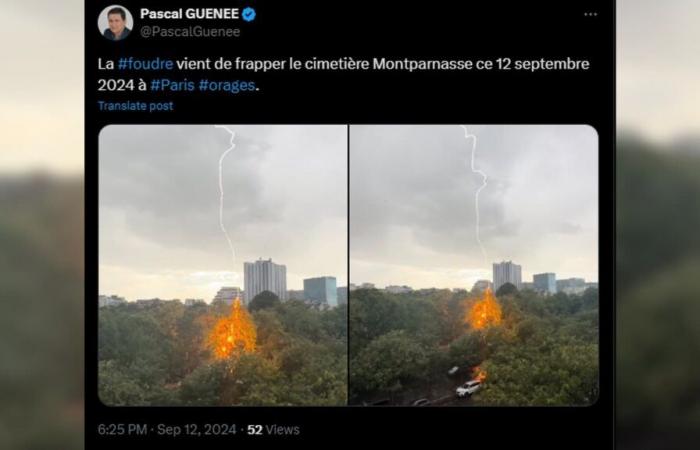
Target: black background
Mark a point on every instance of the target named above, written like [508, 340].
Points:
[437, 29]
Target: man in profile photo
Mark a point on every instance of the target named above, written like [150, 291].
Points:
[116, 18]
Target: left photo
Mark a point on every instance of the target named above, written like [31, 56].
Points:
[223, 265]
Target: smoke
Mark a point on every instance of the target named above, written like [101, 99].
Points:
[221, 189]
[478, 191]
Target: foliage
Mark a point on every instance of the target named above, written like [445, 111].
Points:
[553, 371]
[389, 362]
[658, 373]
[544, 351]
[159, 355]
[506, 289]
[265, 299]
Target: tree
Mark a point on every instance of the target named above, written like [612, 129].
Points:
[335, 322]
[263, 300]
[315, 374]
[190, 342]
[251, 380]
[507, 289]
[467, 350]
[133, 339]
[389, 363]
[555, 372]
[589, 299]
[203, 386]
[372, 314]
[117, 388]
[301, 319]
[161, 355]
[272, 337]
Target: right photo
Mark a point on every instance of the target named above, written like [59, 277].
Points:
[473, 265]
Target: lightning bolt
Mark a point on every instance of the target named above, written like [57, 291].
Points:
[478, 191]
[221, 189]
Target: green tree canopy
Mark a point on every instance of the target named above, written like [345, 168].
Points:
[263, 300]
[389, 362]
[506, 289]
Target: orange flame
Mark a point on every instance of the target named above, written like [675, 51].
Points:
[485, 312]
[480, 374]
[234, 334]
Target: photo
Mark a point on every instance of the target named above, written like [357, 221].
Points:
[115, 22]
[222, 265]
[473, 265]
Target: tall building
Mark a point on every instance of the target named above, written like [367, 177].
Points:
[295, 294]
[481, 285]
[321, 290]
[227, 294]
[571, 286]
[264, 275]
[506, 272]
[545, 282]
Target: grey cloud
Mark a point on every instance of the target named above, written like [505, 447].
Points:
[567, 228]
[166, 178]
[285, 197]
[413, 202]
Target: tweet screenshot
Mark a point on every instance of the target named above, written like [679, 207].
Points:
[344, 222]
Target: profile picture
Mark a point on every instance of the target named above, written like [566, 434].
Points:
[115, 22]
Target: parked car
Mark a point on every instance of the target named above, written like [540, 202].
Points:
[468, 388]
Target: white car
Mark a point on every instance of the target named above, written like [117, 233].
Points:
[468, 388]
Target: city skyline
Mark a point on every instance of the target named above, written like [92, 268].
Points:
[159, 231]
[221, 293]
[547, 281]
[412, 202]
[210, 298]
[533, 280]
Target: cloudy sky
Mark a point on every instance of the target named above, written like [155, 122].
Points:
[658, 78]
[413, 208]
[41, 86]
[285, 198]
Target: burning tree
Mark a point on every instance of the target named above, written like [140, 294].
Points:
[485, 312]
[234, 334]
